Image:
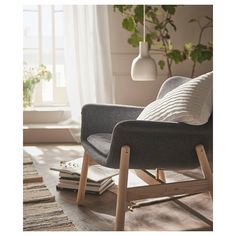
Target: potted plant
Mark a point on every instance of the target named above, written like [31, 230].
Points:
[31, 77]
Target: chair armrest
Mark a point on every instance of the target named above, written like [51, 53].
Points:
[160, 144]
[97, 118]
[159, 128]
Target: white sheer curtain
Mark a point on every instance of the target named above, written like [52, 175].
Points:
[87, 57]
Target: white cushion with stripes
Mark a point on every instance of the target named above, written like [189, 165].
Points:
[190, 103]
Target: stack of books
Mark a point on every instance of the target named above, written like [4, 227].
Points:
[99, 178]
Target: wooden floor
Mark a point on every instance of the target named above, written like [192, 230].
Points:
[189, 213]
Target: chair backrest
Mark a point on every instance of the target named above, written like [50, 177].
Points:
[170, 84]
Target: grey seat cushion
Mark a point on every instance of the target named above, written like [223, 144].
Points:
[101, 141]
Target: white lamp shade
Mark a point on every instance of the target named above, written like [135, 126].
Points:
[143, 66]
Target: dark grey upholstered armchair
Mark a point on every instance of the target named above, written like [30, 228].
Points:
[112, 137]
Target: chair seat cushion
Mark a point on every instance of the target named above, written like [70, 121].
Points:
[101, 141]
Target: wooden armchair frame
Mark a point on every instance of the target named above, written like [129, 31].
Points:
[125, 194]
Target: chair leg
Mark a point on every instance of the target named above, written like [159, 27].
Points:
[122, 188]
[160, 174]
[205, 166]
[83, 179]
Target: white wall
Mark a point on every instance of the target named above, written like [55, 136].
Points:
[142, 93]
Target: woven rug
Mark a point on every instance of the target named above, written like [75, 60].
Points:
[36, 192]
[30, 174]
[40, 211]
[27, 160]
[46, 217]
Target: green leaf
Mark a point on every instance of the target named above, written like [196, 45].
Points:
[134, 39]
[169, 8]
[150, 38]
[129, 24]
[201, 53]
[175, 55]
[138, 11]
[161, 63]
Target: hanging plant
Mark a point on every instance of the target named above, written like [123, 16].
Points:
[159, 21]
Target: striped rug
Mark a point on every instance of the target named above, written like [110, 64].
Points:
[30, 174]
[46, 217]
[40, 211]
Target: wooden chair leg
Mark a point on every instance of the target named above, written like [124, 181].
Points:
[122, 188]
[160, 174]
[205, 166]
[83, 179]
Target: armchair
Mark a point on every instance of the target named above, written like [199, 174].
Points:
[113, 137]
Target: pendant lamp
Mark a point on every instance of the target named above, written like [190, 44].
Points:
[143, 66]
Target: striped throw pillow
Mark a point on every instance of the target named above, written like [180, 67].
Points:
[190, 103]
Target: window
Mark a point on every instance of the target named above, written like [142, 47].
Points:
[43, 44]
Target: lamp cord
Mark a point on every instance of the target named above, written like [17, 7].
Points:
[144, 33]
